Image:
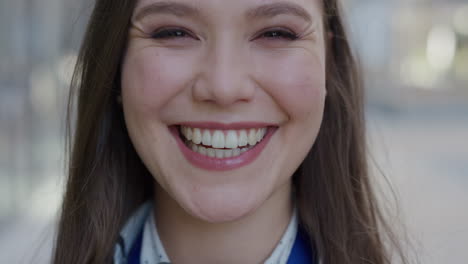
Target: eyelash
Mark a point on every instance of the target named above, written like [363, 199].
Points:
[279, 34]
[170, 33]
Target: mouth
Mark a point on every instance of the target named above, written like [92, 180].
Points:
[221, 143]
[214, 147]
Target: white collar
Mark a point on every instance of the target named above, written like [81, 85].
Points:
[153, 250]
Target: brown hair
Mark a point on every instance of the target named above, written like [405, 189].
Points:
[107, 181]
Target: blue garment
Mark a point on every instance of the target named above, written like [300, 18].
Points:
[134, 254]
[300, 254]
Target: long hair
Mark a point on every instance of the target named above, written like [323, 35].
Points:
[107, 180]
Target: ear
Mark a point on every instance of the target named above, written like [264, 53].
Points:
[330, 35]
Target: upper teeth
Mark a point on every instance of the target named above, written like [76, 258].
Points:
[224, 138]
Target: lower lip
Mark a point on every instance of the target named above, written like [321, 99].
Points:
[209, 163]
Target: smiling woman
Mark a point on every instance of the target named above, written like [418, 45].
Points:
[209, 128]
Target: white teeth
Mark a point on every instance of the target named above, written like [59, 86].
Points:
[206, 138]
[211, 152]
[243, 139]
[188, 133]
[218, 153]
[260, 134]
[236, 152]
[202, 150]
[217, 141]
[231, 139]
[185, 131]
[228, 153]
[224, 139]
[196, 137]
[195, 147]
[252, 137]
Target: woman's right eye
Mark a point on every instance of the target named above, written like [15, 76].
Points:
[170, 33]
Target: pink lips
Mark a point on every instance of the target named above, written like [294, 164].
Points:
[209, 163]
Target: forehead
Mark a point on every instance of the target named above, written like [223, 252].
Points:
[306, 9]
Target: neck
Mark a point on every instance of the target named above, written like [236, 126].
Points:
[190, 240]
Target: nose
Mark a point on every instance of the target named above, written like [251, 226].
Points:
[224, 76]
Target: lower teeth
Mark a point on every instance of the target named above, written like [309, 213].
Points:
[217, 153]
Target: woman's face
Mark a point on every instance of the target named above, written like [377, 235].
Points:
[224, 99]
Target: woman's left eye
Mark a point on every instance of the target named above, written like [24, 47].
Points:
[279, 34]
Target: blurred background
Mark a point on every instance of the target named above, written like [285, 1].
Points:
[414, 54]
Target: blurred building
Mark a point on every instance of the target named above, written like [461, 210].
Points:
[414, 53]
[39, 42]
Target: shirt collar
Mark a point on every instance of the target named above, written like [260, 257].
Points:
[130, 231]
[152, 250]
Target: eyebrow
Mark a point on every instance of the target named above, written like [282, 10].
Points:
[262, 11]
[279, 8]
[166, 7]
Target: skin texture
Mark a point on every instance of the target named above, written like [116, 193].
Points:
[225, 70]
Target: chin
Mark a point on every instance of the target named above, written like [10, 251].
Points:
[223, 205]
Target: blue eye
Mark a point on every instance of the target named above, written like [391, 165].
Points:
[279, 34]
[169, 33]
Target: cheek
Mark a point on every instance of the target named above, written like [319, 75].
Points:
[296, 82]
[151, 78]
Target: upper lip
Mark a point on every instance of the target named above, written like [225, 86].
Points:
[227, 126]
